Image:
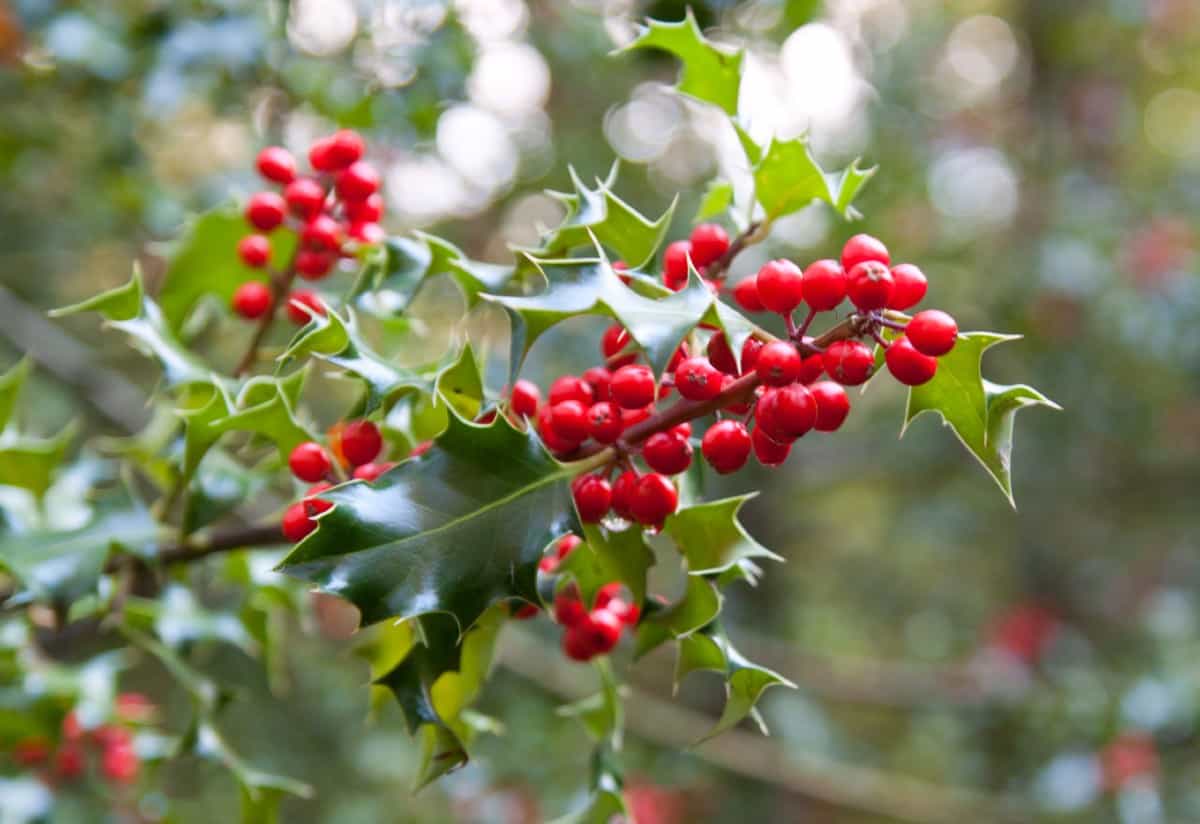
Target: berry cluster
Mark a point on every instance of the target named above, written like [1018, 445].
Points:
[354, 446]
[708, 245]
[332, 211]
[109, 746]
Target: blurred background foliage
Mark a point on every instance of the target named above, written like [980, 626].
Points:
[1039, 160]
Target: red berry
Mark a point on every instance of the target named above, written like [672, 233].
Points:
[301, 300]
[780, 286]
[604, 422]
[667, 453]
[554, 442]
[675, 265]
[833, 405]
[769, 451]
[629, 417]
[720, 355]
[653, 499]
[568, 609]
[525, 611]
[358, 182]
[683, 430]
[869, 285]
[569, 420]
[708, 242]
[296, 523]
[313, 265]
[848, 362]
[120, 764]
[252, 300]
[361, 442]
[765, 416]
[824, 285]
[745, 292]
[795, 410]
[365, 232]
[932, 332]
[726, 445]
[370, 472]
[738, 407]
[310, 462]
[750, 351]
[811, 368]
[526, 398]
[909, 366]
[616, 339]
[593, 497]
[577, 644]
[322, 232]
[304, 197]
[31, 751]
[614, 597]
[368, 210]
[265, 211]
[276, 164]
[254, 250]
[908, 286]
[622, 497]
[603, 629]
[566, 545]
[599, 378]
[320, 155]
[314, 505]
[345, 147]
[69, 761]
[861, 248]
[778, 364]
[632, 386]
[698, 380]
[571, 388]
[72, 730]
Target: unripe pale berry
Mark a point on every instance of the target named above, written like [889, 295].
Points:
[296, 524]
[252, 300]
[932, 332]
[654, 498]
[778, 364]
[571, 388]
[593, 497]
[276, 164]
[869, 285]
[312, 264]
[301, 300]
[667, 453]
[824, 285]
[769, 451]
[569, 421]
[726, 445]
[698, 380]
[908, 287]
[265, 211]
[833, 405]
[745, 292]
[708, 242]
[848, 362]
[622, 493]
[604, 422]
[358, 182]
[361, 442]
[632, 386]
[254, 250]
[909, 366]
[309, 462]
[526, 398]
[675, 265]
[780, 286]
[862, 248]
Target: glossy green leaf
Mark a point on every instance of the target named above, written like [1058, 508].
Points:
[606, 802]
[787, 178]
[461, 384]
[220, 486]
[397, 270]
[710, 73]
[718, 197]
[712, 539]
[608, 556]
[205, 262]
[30, 463]
[598, 213]
[602, 714]
[979, 412]
[11, 383]
[265, 407]
[699, 606]
[455, 531]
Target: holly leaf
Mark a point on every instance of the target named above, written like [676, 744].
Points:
[602, 714]
[461, 385]
[398, 269]
[11, 384]
[221, 485]
[205, 262]
[127, 309]
[787, 178]
[979, 412]
[712, 539]
[606, 801]
[710, 73]
[607, 556]
[30, 463]
[698, 607]
[456, 530]
[718, 196]
[598, 213]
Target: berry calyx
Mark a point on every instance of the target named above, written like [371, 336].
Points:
[653, 499]
[745, 292]
[361, 442]
[833, 405]
[675, 265]
[778, 364]
[296, 523]
[709, 241]
[862, 248]
[698, 380]
[593, 497]
[302, 305]
[726, 446]
[569, 420]
[932, 332]
[604, 422]
[310, 462]
[908, 287]
[276, 164]
[525, 399]
[265, 211]
[667, 452]
[824, 285]
[632, 387]
[358, 182]
[869, 285]
[909, 366]
[848, 362]
[780, 286]
[304, 197]
[252, 300]
[769, 451]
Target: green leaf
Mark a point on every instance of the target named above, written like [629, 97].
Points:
[264, 407]
[606, 802]
[602, 714]
[221, 485]
[11, 383]
[787, 178]
[126, 308]
[65, 566]
[600, 214]
[456, 530]
[711, 537]
[395, 272]
[461, 384]
[205, 262]
[608, 556]
[710, 73]
[979, 412]
[699, 606]
[718, 196]
[30, 463]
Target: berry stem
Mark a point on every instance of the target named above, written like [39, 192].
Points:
[281, 285]
[803, 330]
[747, 238]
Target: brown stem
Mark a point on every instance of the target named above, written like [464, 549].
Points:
[281, 286]
[718, 267]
